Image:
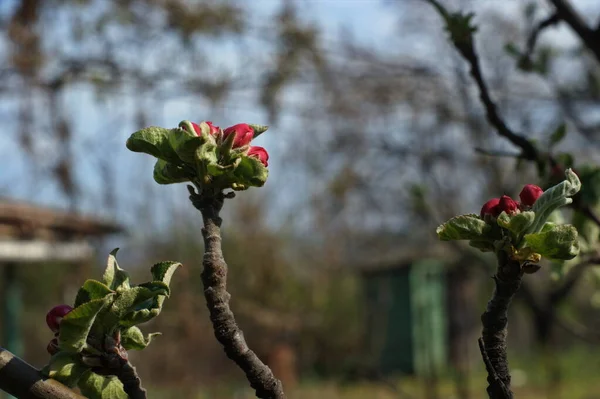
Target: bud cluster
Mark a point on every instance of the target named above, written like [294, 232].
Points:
[496, 206]
[242, 137]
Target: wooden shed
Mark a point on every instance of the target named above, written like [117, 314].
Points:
[31, 234]
[407, 310]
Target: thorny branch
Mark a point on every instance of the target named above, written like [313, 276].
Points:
[214, 279]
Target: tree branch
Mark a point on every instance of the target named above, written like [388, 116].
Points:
[23, 381]
[214, 279]
[533, 36]
[589, 36]
[495, 321]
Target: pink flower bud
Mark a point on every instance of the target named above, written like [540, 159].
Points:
[259, 153]
[507, 205]
[491, 208]
[243, 134]
[55, 315]
[214, 130]
[52, 347]
[530, 194]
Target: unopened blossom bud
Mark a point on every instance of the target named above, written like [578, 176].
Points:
[259, 153]
[214, 130]
[530, 194]
[507, 205]
[55, 315]
[490, 208]
[243, 134]
[198, 130]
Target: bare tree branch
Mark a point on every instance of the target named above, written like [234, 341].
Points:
[23, 381]
[589, 36]
[214, 279]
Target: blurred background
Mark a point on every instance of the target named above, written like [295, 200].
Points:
[376, 136]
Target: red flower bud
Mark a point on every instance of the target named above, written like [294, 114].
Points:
[213, 129]
[243, 134]
[259, 153]
[507, 205]
[52, 347]
[490, 208]
[55, 315]
[530, 194]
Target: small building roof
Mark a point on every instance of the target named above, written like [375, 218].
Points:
[20, 219]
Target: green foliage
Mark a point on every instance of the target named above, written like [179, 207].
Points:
[96, 386]
[525, 235]
[105, 316]
[554, 242]
[463, 227]
[207, 160]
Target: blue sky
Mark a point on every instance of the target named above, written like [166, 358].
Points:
[371, 22]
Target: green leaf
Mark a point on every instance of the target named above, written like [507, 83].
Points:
[186, 144]
[554, 198]
[66, 368]
[163, 271]
[91, 289]
[258, 129]
[129, 300]
[94, 386]
[143, 315]
[167, 173]
[154, 140]
[76, 325]
[463, 227]
[558, 134]
[114, 276]
[250, 172]
[484, 245]
[132, 338]
[512, 50]
[554, 242]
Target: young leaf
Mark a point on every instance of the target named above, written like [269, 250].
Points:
[154, 140]
[558, 134]
[143, 315]
[128, 300]
[91, 289]
[94, 386]
[251, 172]
[132, 338]
[167, 173]
[555, 242]
[258, 129]
[185, 145]
[463, 227]
[114, 276]
[76, 325]
[554, 198]
[163, 271]
[66, 368]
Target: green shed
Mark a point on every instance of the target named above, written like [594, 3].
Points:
[407, 316]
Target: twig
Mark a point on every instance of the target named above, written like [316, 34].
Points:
[214, 279]
[589, 36]
[23, 381]
[498, 153]
[495, 321]
[532, 39]
[132, 384]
